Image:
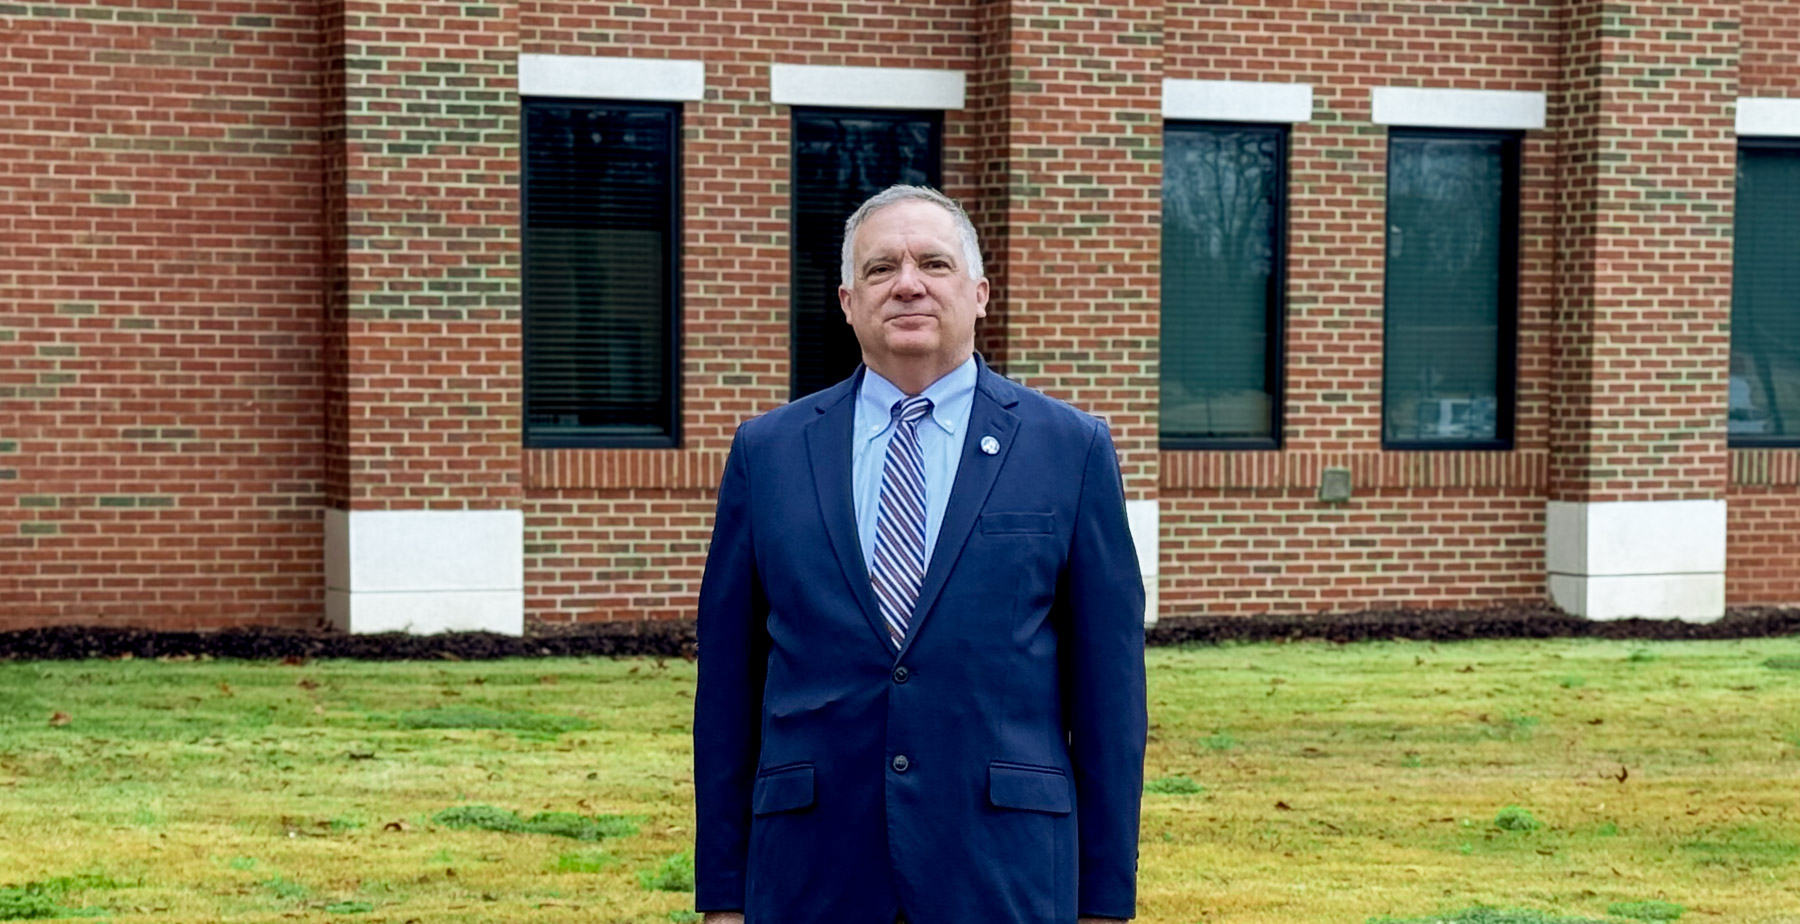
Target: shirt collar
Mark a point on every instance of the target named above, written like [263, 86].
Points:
[951, 397]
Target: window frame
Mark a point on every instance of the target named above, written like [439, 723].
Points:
[1768, 143]
[795, 113]
[1275, 310]
[671, 404]
[1506, 362]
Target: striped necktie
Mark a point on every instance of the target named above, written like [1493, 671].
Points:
[899, 566]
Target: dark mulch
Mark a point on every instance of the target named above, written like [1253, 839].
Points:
[676, 639]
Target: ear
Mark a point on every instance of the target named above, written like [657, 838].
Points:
[981, 298]
[844, 296]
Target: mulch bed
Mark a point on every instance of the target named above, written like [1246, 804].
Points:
[676, 639]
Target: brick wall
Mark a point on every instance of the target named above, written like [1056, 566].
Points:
[1763, 499]
[1643, 333]
[261, 258]
[423, 307]
[160, 419]
[582, 531]
[1245, 531]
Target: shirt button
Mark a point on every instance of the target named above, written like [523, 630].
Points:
[900, 674]
[901, 763]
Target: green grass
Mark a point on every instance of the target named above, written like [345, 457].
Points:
[1647, 910]
[1356, 783]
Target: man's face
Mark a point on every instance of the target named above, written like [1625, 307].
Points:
[911, 300]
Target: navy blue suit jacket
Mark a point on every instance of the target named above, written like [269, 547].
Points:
[990, 770]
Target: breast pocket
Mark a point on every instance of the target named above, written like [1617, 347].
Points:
[1018, 524]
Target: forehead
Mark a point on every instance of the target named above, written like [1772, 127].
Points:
[908, 224]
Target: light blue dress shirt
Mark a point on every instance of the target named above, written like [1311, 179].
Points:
[940, 441]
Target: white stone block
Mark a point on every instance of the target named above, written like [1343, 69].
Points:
[425, 570]
[865, 87]
[1143, 517]
[1768, 117]
[1236, 101]
[1688, 597]
[1433, 107]
[1635, 537]
[593, 77]
[422, 613]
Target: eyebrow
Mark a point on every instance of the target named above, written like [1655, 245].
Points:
[924, 255]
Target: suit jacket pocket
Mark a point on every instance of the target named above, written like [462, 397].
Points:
[1033, 789]
[784, 789]
[994, 524]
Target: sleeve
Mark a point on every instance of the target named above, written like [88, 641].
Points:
[1104, 684]
[732, 642]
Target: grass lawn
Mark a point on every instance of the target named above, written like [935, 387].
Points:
[1576, 780]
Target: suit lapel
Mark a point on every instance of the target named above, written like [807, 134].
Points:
[828, 443]
[975, 474]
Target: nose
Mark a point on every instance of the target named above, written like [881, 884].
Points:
[908, 284]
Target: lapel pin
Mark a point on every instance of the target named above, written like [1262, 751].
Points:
[990, 445]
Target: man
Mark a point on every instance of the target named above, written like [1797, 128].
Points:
[921, 684]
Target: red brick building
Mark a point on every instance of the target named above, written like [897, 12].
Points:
[432, 315]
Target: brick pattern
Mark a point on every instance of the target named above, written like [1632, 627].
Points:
[735, 163]
[257, 258]
[1337, 189]
[159, 284]
[1762, 546]
[1762, 502]
[735, 302]
[424, 290]
[616, 554]
[1243, 551]
[1643, 327]
[1083, 207]
[1771, 35]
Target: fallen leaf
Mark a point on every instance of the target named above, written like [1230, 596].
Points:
[362, 755]
[548, 680]
[225, 688]
[1284, 806]
[400, 826]
[59, 719]
[307, 683]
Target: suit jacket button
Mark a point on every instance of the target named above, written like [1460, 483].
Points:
[900, 674]
[901, 763]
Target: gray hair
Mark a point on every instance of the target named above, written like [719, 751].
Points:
[965, 229]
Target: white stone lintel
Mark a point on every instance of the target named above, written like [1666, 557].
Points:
[1236, 101]
[1435, 107]
[1143, 516]
[865, 87]
[425, 570]
[1768, 117]
[669, 80]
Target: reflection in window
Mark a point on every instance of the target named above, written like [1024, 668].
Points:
[599, 293]
[1765, 296]
[1452, 282]
[1221, 282]
[840, 160]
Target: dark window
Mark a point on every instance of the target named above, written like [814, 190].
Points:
[1223, 247]
[840, 160]
[600, 293]
[1765, 296]
[1452, 290]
